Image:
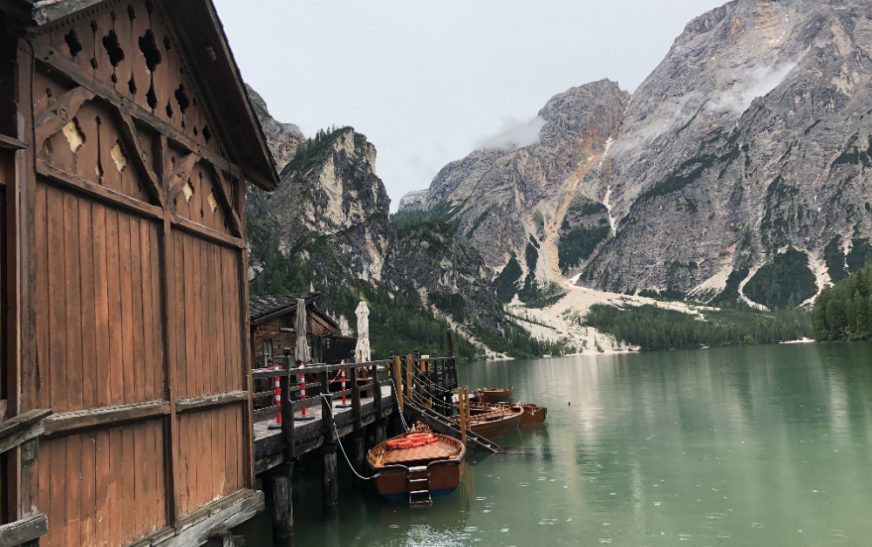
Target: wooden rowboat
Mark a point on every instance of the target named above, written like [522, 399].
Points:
[419, 473]
[493, 394]
[533, 414]
[497, 422]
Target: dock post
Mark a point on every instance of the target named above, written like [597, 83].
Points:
[330, 482]
[287, 406]
[398, 383]
[381, 430]
[377, 394]
[281, 503]
[355, 401]
[358, 450]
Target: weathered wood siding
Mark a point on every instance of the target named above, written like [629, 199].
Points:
[138, 333]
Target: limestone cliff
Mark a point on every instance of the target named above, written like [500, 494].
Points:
[510, 201]
[282, 138]
[327, 227]
[739, 163]
[752, 137]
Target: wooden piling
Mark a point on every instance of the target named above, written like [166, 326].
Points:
[381, 431]
[281, 503]
[355, 402]
[377, 394]
[330, 482]
[358, 451]
[287, 413]
[398, 383]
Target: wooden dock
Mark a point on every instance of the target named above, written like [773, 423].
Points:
[269, 450]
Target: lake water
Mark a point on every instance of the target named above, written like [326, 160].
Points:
[766, 445]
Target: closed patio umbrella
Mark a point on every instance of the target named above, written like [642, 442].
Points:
[301, 352]
[361, 350]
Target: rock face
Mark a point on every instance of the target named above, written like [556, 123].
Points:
[328, 225]
[282, 138]
[508, 197]
[751, 139]
[328, 192]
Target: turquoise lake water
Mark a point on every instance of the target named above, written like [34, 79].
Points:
[768, 445]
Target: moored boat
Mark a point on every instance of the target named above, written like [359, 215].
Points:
[493, 394]
[417, 466]
[498, 421]
[534, 414]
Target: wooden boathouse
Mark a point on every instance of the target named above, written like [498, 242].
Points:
[126, 142]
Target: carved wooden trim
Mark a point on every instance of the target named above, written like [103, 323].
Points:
[59, 114]
[47, 57]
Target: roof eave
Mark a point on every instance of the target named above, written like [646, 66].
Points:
[257, 162]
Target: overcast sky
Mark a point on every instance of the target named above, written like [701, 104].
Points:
[427, 80]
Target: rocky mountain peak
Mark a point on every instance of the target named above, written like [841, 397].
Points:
[282, 138]
[505, 197]
[729, 152]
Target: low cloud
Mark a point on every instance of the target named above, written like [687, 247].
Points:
[514, 135]
[758, 83]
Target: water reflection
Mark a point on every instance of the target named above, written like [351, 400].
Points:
[747, 446]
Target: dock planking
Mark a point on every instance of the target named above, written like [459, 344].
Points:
[309, 435]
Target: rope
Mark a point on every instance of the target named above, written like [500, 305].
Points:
[342, 448]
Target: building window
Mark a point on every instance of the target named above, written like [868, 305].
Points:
[267, 353]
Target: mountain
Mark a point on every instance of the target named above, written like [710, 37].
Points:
[510, 197]
[736, 171]
[327, 227]
[282, 138]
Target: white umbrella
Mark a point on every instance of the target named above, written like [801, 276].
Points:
[361, 350]
[301, 352]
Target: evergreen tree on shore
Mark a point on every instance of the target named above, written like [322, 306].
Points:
[844, 311]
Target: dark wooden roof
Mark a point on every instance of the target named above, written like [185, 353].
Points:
[264, 308]
[212, 62]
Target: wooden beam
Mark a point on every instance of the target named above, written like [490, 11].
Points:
[22, 428]
[23, 531]
[101, 193]
[65, 422]
[179, 178]
[224, 199]
[194, 529]
[11, 143]
[56, 116]
[210, 401]
[128, 131]
[204, 232]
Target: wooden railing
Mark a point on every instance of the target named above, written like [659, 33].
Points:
[360, 378]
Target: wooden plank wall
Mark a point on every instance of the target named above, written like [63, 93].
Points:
[137, 283]
[103, 487]
[99, 341]
[208, 362]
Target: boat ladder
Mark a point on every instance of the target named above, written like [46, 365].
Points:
[418, 480]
